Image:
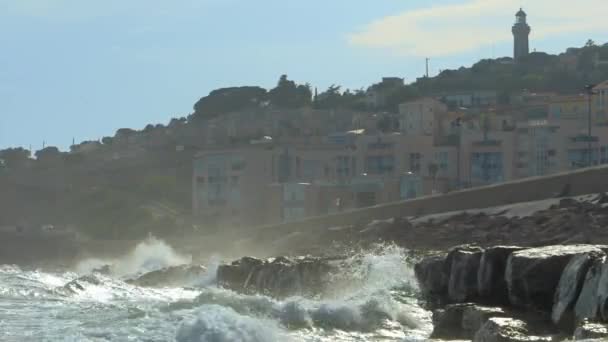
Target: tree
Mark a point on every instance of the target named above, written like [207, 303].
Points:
[329, 99]
[287, 94]
[106, 140]
[15, 157]
[49, 154]
[226, 100]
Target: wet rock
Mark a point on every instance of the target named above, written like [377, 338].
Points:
[568, 203]
[447, 322]
[464, 265]
[278, 277]
[589, 330]
[502, 329]
[474, 317]
[586, 305]
[184, 275]
[569, 288]
[432, 277]
[105, 269]
[533, 274]
[491, 282]
[461, 321]
[592, 300]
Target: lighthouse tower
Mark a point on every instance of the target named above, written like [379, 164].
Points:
[521, 33]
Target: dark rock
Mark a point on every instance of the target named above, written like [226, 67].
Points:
[586, 305]
[461, 321]
[533, 274]
[568, 203]
[593, 297]
[502, 329]
[464, 265]
[602, 198]
[491, 282]
[589, 330]
[184, 275]
[569, 288]
[432, 277]
[278, 277]
[474, 317]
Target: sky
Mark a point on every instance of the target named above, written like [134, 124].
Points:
[81, 69]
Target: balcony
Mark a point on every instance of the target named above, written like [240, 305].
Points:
[489, 142]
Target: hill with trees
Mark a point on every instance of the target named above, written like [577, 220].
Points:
[139, 181]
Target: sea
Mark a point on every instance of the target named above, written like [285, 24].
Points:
[376, 299]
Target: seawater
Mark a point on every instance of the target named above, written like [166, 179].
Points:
[372, 299]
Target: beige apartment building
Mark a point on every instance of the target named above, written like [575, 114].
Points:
[435, 151]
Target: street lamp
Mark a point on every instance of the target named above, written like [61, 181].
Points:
[589, 90]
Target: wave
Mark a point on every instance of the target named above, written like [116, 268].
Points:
[149, 255]
[372, 295]
[220, 324]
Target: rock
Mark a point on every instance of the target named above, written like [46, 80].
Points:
[589, 330]
[464, 265]
[491, 282]
[502, 329]
[533, 274]
[569, 288]
[593, 298]
[461, 321]
[432, 277]
[474, 317]
[175, 276]
[278, 277]
[586, 305]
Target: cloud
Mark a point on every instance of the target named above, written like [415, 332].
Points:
[456, 28]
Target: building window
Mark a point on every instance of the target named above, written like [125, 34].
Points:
[415, 162]
[343, 164]
[380, 165]
[487, 167]
[441, 159]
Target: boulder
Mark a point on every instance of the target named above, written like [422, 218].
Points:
[461, 321]
[491, 282]
[533, 274]
[502, 329]
[589, 330]
[184, 275]
[464, 265]
[594, 293]
[569, 288]
[432, 276]
[278, 277]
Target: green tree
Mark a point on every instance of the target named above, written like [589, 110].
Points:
[226, 100]
[14, 157]
[288, 94]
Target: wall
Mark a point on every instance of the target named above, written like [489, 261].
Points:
[584, 181]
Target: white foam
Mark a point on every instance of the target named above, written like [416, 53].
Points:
[149, 255]
[215, 323]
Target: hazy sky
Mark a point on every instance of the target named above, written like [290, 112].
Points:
[84, 68]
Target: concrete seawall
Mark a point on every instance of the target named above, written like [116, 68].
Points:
[579, 182]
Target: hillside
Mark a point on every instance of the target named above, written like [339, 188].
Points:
[139, 181]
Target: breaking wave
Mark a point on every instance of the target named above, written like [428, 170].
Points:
[372, 297]
[150, 255]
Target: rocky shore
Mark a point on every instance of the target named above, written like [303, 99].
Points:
[513, 294]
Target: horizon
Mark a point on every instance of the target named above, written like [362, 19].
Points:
[115, 68]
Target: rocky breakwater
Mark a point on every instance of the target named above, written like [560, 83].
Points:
[278, 277]
[508, 293]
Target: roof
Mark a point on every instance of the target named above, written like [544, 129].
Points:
[603, 85]
[520, 13]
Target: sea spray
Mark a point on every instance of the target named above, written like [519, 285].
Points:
[149, 255]
[219, 324]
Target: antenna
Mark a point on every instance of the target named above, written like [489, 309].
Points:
[427, 67]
